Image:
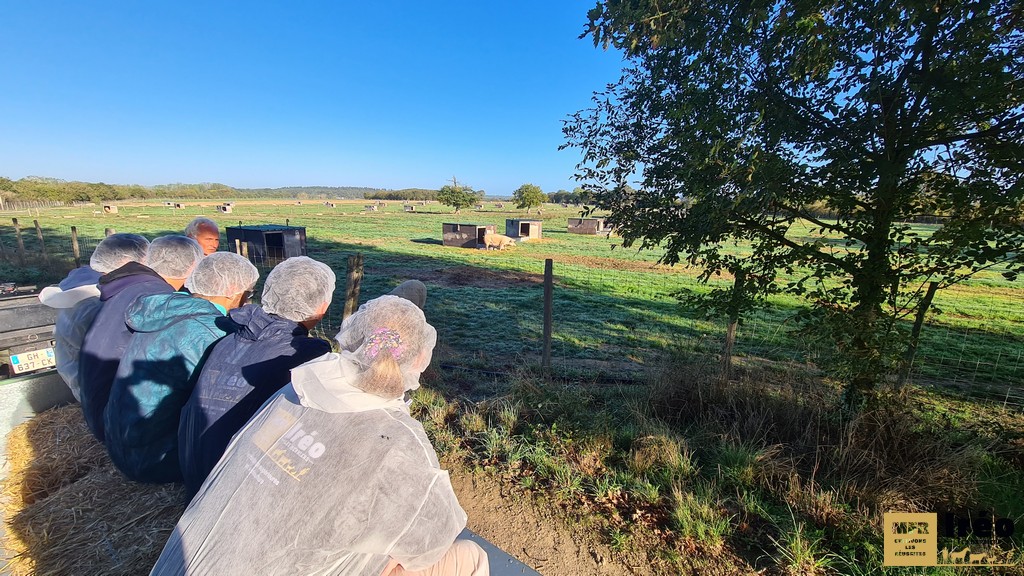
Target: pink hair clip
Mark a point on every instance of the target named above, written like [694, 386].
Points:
[384, 339]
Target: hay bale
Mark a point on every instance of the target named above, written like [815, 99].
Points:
[49, 451]
[69, 511]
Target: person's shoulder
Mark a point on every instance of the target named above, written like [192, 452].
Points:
[310, 347]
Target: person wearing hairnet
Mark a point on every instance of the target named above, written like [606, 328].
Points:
[246, 368]
[171, 334]
[77, 299]
[169, 259]
[204, 231]
[333, 475]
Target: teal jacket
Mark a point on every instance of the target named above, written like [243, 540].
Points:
[172, 333]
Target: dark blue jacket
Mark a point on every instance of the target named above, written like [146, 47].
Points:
[108, 336]
[173, 333]
[240, 374]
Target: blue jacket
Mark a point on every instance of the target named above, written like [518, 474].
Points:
[240, 374]
[173, 333]
[107, 337]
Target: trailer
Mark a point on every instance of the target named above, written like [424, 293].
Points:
[26, 343]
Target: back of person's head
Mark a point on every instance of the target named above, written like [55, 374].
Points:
[297, 288]
[413, 291]
[117, 250]
[390, 338]
[200, 223]
[222, 274]
[173, 256]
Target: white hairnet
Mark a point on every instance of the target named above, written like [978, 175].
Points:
[173, 256]
[413, 291]
[117, 250]
[389, 340]
[198, 223]
[297, 287]
[222, 274]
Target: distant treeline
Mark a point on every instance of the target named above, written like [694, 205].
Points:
[404, 194]
[54, 189]
[322, 192]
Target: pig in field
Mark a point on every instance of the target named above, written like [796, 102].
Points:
[499, 241]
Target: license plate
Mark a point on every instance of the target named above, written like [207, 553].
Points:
[33, 360]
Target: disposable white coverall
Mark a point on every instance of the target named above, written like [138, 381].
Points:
[338, 482]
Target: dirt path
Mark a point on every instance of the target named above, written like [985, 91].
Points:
[538, 536]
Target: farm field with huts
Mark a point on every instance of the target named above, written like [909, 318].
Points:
[631, 439]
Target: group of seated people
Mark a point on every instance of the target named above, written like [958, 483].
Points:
[295, 459]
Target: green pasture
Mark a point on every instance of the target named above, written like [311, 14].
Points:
[614, 309]
[675, 472]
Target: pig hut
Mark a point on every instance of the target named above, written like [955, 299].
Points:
[109, 209]
[226, 208]
[409, 208]
[587, 226]
[370, 207]
[522, 230]
[269, 243]
[465, 235]
[179, 205]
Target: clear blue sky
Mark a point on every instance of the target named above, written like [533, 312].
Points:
[265, 94]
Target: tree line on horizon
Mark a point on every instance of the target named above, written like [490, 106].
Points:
[42, 188]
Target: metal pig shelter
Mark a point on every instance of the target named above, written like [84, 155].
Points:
[587, 226]
[466, 235]
[269, 242]
[522, 229]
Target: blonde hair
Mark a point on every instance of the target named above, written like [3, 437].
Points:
[387, 336]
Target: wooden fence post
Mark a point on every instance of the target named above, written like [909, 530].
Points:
[3, 251]
[238, 246]
[548, 305]
[355, 276]
[21, 242]
[42, 245]
[108, 232]
[74, 247]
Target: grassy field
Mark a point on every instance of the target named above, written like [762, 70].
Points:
[634, 439]
[613, 309]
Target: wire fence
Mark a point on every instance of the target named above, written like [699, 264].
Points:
[612, 315]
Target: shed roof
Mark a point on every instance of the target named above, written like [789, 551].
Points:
[267, 227]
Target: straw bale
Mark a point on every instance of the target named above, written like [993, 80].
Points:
[69, 511]
[101, 524]
[49, 451]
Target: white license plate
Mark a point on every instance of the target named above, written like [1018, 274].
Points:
[33, 360]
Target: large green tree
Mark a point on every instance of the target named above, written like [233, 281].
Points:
[457, 196]
[529, 196]
[734, 119]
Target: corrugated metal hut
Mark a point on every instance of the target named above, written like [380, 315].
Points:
[179, 205]
[269, 243]
[226, 208]
[587, 226]
[409, 208]
[109, 209]
[523, 229]
[465, 235]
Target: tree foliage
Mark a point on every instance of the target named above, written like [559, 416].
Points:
[403, 194]
[739, 121]
[529, 196]
[458, 196]
[39, 188]
[578, 196]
